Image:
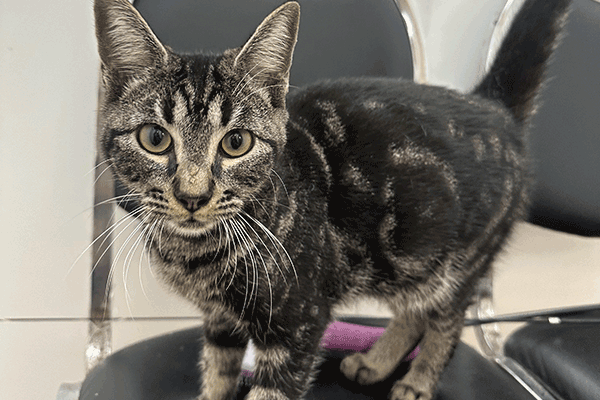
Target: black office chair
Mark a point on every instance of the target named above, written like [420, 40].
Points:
[337, 38]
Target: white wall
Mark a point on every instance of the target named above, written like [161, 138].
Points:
[48, 78]
[48, 81]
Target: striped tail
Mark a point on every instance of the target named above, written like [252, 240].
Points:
[520, 65]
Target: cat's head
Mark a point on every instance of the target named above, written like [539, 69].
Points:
[192, 138]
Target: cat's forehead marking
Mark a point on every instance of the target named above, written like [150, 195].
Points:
[208, 84]
[180, 109]
[215, 114]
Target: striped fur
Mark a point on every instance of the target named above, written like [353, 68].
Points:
[266, 209]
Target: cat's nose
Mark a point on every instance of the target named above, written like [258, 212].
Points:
[193, 203]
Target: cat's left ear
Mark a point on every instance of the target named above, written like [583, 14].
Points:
[267, 56]
[126, 44]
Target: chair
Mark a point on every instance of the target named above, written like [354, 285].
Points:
[135, 372]
[565, 356]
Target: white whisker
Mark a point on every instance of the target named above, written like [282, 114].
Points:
[237, 233]
[121, 199]
[282, 183]
[255, 200]
[249, 241]
[126, 197]
[162, 225]
[135, 231]
[222, 226]
[276, 242]
[127, 265]
[230, 240]
[102, 173]
[106, 233]
[112, 266]
[132, 216]
[146, 250]
[227, 262]
[98, 166]
[108, 201]
[268, 250]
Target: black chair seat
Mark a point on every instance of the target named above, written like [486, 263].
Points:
[565, 357]
[165, 368]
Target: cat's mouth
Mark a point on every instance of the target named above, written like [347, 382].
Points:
[192, 227]
[193, 223]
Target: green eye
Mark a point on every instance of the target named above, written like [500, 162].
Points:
[154, 139]
[237, 142]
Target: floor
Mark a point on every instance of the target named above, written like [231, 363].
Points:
[49, 84]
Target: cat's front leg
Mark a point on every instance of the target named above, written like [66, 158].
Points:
[221, 359]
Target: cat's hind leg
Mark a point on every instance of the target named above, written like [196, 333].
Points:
[400, 337]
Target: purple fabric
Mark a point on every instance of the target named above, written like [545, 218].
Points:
[351, 337]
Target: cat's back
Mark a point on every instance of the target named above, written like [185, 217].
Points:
[384, 141]
[395, 106]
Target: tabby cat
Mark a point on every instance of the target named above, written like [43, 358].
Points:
[265, 209]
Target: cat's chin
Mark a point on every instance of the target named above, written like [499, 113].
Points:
[192, 228]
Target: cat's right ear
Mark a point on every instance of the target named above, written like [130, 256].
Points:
[126, 44]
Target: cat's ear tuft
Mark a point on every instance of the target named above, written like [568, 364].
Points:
[126, 43]
[267, 56]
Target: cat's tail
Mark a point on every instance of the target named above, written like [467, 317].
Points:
[519, 68]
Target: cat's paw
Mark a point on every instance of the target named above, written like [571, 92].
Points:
[405, 391]
[356, 367]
